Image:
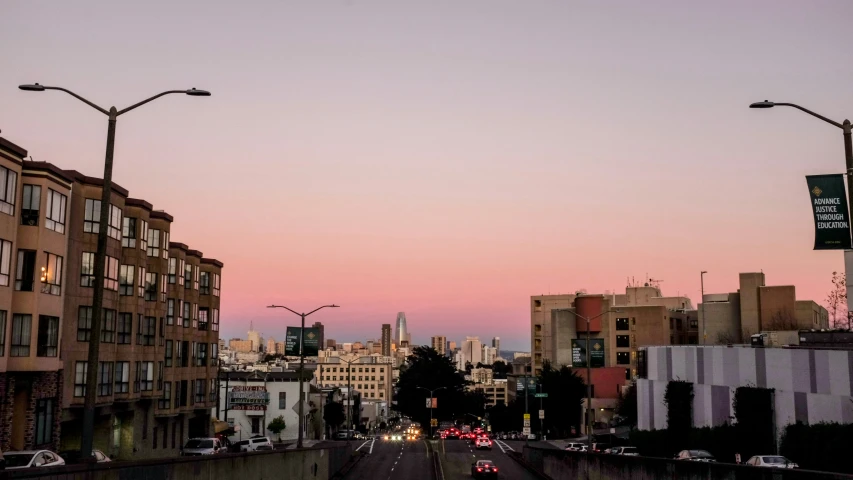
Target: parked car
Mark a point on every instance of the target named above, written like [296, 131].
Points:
[772, 461]
[72, 457]
[598, 447]
[202, 446]
[574, 446]
[695, 456]
[627, 451]
[483, 443]
[32, 459]
[484, 469]
[252, 444]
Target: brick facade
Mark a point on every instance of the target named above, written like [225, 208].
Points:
[7, 409]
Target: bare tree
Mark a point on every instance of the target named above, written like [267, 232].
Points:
[727, 338]
[782, 320]
[836, 302]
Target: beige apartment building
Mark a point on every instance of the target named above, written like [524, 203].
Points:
[439, 344]
[240, 345]
[496, 392]
[369, 375]
[159, 339]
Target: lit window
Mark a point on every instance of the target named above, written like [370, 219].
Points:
[51, 275]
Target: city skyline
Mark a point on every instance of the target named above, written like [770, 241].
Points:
[374, 164]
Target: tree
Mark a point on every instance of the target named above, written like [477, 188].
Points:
[566, 392]
[271, 357]
[627, 406]
[333, 414]
[426, 368]
[276, 426]
[383, 425]
[501, 369]
[836, 302]
[782, 320]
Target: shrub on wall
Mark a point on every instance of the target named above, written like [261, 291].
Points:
[754, 413]
[822, 446]
[679, 409]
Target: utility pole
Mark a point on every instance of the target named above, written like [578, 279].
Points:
[704, 322]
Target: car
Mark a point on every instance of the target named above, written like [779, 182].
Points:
[253, 444]
[599, 447]
[575, 446]
[393, 437]
[452, 434]
[695, 456]
[626, 451]
[484, 469]
[202, 446]
[32, 459]
[483, 443]
[772, 461]
[72, 457]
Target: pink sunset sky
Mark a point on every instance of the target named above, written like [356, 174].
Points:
[449, 158]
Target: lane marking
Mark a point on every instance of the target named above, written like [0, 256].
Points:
[371, 446]
[363, 444]
[503, 446]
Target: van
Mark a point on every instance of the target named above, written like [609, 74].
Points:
[252, 444]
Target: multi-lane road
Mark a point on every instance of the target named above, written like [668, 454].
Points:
[413, 460]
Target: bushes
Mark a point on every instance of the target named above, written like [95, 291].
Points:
[753, 409]
[679, 409]
[720, 441]
[823, 446]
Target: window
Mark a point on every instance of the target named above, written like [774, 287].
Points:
[111, 274]
[162, 331]
[623, 358]
[87, 270]
[125, 328]
[150, 287]
[169, 352]
[114, 230]
[163, 287]
[214, 354]
[184, 353]
[92, 216]
[147, 331]
[622, 324]
[201, 358]
[80, 371]
[25, 272]
[153, 249]
[108, 326]
[122, 377]
[282, 400]
[204, 280]
[173, 268]
[128, 232]
[55, 217]
[165, 245]
[125, 279]
[212, 390]
[182, 394]
[140, 284]
[186, 316]
[105, 378]
[216, 284]
[21, 332]
[8, 187]
[170, 311]
[143, 234]
[193, 353]
[203, 317]
[256, 425]
[3, 315]
[44, 421]
[215, 324]
[195, 281]
[30, 205]
[144, 377]
[48, 336]
[195, 315]
[51, 274]
[199, 390]
[188, 274]
[5, 258]
[159, 375]
[166, 400]
[84, 324]
[623, 341]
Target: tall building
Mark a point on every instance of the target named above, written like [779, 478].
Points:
[439, 344]
[270, 346]
[254, 337]
[331, 343]
[496, 344]
[386, 339]
[322, 329]
[472, 351]
[489, 355]
[401, 334]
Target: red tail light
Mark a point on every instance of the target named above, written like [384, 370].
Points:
[479, 469]
[494, 469]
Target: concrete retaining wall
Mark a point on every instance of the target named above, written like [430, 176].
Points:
[309, 463]
[560, 465]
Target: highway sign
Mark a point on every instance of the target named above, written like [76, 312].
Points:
[541, 395]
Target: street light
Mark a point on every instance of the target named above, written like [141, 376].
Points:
[589, 409]
[702, 286]
[430, 404]
[101, 253]
[301, 363]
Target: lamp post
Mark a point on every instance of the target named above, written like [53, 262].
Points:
[349, 393]
[431, 391]
[101, 253]
[846, 129]
[589, 409]
[704, 322]
[301, 364]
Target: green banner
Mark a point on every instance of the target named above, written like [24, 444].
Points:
[829, 204]
[596, 353]
[310, 342]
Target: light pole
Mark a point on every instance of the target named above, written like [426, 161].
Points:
[101, 253]
[301, 364]
[704, 322]
[589, 409]
[431, 391]
[349, 394]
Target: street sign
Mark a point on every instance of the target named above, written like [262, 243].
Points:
[527, 416]
[526, 422]
[541, 414]
[541, 395]
[526, 431]
[434, 422]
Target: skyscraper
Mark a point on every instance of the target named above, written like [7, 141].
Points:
[496, 344]
[401, 334]
[439, 344]
[254, 337]
[472, 351]
[386, 339]
[319, 326]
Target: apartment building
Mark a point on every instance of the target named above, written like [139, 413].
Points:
[159, 338]
[240, 345]
[372, 376]
[439, 344]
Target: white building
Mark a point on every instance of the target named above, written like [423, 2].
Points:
[472, 351]
[489, 355]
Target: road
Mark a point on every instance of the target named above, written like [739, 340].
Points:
[413, 461]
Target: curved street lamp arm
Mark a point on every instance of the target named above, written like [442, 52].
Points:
[78, 97]
[833, 122]
[319, 308]
[282, 306]
[144, 101]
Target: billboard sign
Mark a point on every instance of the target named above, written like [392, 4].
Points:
[248, 398]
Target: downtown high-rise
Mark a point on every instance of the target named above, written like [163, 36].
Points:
[401, 334]
[386, 339]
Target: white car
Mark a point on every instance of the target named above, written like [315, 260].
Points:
[254, 444]
[627, 451]
[196, 447]
[575, 446]
[772, 461]
[483, 442]
[32, 459]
